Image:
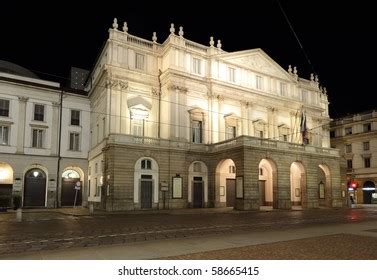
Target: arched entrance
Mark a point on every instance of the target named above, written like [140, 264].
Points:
[146, 183]
[72, 184]
[298, 184]
[369, 188]
[226, 182]
[324, 185]
[268, 183]
[35, 188]
[198, 184]
[6, 184]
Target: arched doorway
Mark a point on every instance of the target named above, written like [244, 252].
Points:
[6, 184]
[35, 188]
[369, 188]
[198, 184]
[226, 182]
[298, 184]
[146, 182]
[324, 185]
[268, 183]
[71, 194]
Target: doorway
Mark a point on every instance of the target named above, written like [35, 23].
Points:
[230, 192]
[71, 188]
[146, 191]
[35, 188]
[198, 192]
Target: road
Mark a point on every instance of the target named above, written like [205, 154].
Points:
[54, 231]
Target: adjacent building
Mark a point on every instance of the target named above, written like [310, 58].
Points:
[356, 138]
[44, 132]
[181, 124]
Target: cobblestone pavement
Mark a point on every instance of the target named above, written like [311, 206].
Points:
[330, 247]
[56, 230]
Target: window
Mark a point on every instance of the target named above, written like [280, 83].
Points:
[261, 171]
[139, 61]
[103, 127]
[259, 82]
[4, 108]
[75, 117]
[196, 131]
[137, 127]
[89, 188]
[146, 164]
[348, 130]
[97, 133]
[332, 133]
[98, 188]
[39, 112]
[96, 168]
[366, 162]
[74, 141]
[349, 163]
[232, 75]
[196, 66]
[367, 127]
[4, 132]
[366, 146]
[230, 132]
[37, 138]
[89, 170]
[283, 89]
[260, 134]
[285, 137]
[197, 167]
[232, 169]
[349, 148]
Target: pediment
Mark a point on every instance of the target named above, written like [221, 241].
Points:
[258, 61]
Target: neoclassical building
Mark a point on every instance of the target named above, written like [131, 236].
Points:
[356, 138]
[181, 124]
[44, 132]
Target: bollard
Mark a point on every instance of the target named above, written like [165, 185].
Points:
[19, 215]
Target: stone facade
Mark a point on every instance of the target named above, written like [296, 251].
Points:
[180, 124]
[355, 137]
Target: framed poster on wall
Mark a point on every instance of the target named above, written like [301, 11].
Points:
[177, 187]
[239, 187]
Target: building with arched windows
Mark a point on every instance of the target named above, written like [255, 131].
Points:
[181, 124]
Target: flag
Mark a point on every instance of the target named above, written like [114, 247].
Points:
[304, 129]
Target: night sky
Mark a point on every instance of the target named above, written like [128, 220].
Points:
[50, 38]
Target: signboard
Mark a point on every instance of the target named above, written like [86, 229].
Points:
[177, 187]
[52, 186]
[78, 185]
[17, 185]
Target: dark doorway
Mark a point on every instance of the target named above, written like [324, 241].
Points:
[6, 195]
[198, 192]
[35, 188]
[368, 189]
[69, 192]
[230, 192]
[262, 193]
[146, 191]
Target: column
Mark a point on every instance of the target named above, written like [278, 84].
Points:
[21, 124]
[55, 128]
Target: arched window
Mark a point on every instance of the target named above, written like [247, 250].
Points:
[146, 164]
[71, 174]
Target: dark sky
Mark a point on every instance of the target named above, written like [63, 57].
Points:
[337, 37]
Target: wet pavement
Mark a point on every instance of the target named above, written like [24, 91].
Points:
[69, 229]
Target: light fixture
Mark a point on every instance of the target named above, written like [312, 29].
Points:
[35, 173]
[3, 174]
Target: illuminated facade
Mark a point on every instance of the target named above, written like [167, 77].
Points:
[30, 135]
[355, 137]
[180, 124]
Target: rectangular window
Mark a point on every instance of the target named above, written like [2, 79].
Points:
[4, 108]
[348, 130]
[97, 187]
[89, 170]
[366, 146]
[137, 127]
[259, 82]
[37, 138]
[74, 141]
[197, 66]
[75, 117]
[366, 162]
[367, 127]
[89, 188]
[139, 61]
[230, 132]
[103, 127]
[283, 89]
[348, 148]
[196, 131]
[232, 75]
[96, 168]
[332, 133]
[97, 133]
[349, 163]
[261, 134]
[285, 137]
[4, 135]
[232, 169]
[39, 112]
